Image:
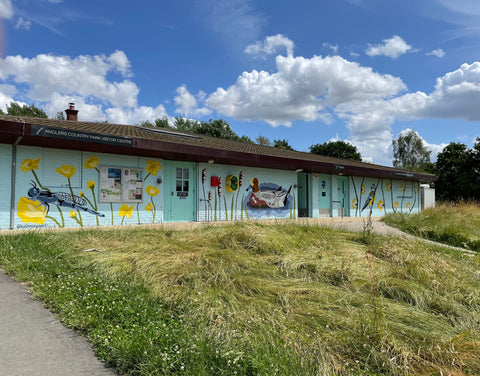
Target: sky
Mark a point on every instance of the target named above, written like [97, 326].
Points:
[361, 71]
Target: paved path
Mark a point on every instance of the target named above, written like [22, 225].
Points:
[34, 343]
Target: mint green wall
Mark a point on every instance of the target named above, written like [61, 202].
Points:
[39, 166]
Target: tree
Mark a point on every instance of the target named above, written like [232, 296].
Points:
[410, 153]
[14, 109]
[337, 149]
[282, 144]
[263, 141]
[458, 171]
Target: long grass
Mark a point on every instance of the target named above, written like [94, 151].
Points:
[251, 299]
[456, 224]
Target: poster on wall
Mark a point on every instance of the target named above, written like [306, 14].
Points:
[121, 184]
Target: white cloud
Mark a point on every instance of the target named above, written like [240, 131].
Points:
[456, 95]
[187, 103]
[332, 47]
[270, 46]
[235, 22]
[135, 115]
[437, 52]
[83, 76]
[6, 9]
[23, 24]
[301, 89]
[393, 47]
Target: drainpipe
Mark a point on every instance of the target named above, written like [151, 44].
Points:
[14, 177]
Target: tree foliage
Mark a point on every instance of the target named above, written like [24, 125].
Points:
[282, 144]
[263, 141]
[337, 149]
[14, 109]
[410, 153]
[458, 170]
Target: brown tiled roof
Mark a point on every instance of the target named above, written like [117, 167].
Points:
[169, 144]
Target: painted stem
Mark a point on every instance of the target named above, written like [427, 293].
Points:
[154, 209]
[54, 220]
[80, 220]
[226, 210]
[111, 211]
[38, 181]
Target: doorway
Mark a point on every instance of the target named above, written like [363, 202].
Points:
[180, 192]
[303, 182]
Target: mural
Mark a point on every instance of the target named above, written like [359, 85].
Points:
[394, 195]
[36, 208]
[229, 199]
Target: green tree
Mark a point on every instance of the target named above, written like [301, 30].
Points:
[282, 144]
[337, 149]
[410, 153]
[458, 171]
[157, 123]
[262, 140]
[14, 109]
[59, 116]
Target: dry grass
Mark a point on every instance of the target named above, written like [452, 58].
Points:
[290, 297]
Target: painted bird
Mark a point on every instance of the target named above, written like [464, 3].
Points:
[370, 198]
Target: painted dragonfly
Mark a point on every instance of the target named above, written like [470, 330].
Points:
[47, 198]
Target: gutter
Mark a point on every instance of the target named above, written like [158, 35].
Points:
[14, 177]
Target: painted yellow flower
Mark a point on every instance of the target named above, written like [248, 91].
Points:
[354, 203]
[67, 170]
[81, 194]
[153, 167]
[73, 214]
[152, 191]
[91, 162]
[408, 205]
[29, 164]
[388, 186]
[402, 187]
[91, 184]
[363, 189]
[380, 204]
[31, 211]
[125, 211]
[149, 207]
[395, 205]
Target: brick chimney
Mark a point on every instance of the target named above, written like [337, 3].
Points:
[72, 114]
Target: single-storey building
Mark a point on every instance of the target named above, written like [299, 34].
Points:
[69, 173]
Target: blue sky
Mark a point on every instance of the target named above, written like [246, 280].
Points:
[305, 71]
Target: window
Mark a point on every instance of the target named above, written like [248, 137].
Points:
[182, 185]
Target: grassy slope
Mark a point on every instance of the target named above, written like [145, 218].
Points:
[255, 299]
[453, 224]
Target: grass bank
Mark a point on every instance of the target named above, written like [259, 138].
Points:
[456, 224]
[251, 299]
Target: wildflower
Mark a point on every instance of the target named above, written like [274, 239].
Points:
[29, 164]
[152, 191]
[66, 170]
[125, 211]
[153, 167]
[91, 162]
[73, 214]
[31, 211]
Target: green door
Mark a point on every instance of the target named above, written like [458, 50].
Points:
[180, 192]
[303, 180]
[325, 198]
[342, 195]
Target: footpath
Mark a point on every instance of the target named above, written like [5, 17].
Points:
[34, 343]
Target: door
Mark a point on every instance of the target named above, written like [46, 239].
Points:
[324, 199]
[303, 194]
[180, 192]
[342, 196]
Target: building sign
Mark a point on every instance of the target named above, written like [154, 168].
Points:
[70, 134]
[339, 167]
[121, 184]
[404, 174]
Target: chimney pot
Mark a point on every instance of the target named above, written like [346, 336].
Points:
[72, 114]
